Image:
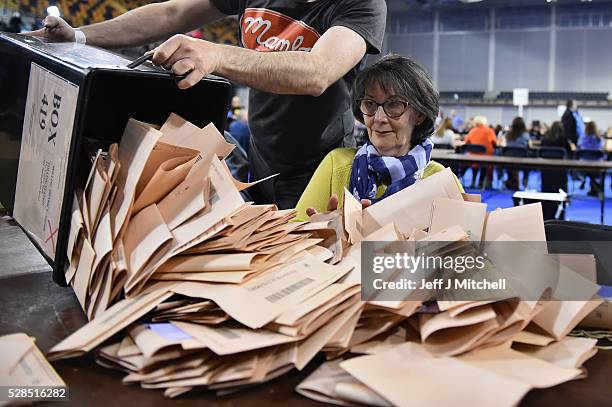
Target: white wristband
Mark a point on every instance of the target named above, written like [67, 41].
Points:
[79, 37]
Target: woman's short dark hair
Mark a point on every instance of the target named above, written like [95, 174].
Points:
[406, 78]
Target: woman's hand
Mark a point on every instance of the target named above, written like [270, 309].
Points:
[332, 205]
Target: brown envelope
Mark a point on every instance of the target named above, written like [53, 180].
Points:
[353, 217]
[185, 201]
[470, 216]
[410, 208]
[533, 335]
[558, 318]
[229, 277]
[151, 342]
[505, 361]
[168, 175]
[22, 363]
[108, 323]
[568, 352]
[97, 193]
[311, 310]
[522, 223]
[328, 384]
[231, 339]
[446, 336]
[137, 143]
[328, 226]
[145, 234]
[308, 349]
[213, 262]
[208, 140]
[83, 273]
[472, 197]
[14, 348]
[225, 200]
[270, 293]
[406, 377]
[102, 245]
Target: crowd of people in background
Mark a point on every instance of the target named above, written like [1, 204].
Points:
[572, 133]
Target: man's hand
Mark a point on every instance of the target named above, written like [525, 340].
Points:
[185, 55]
[332, 205]
[56, 29]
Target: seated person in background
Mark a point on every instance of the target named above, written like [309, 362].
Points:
[554, 179]
[482, 134]
[444, 134]
[498, 130]
[555, 137]
[467, 127]
[396, 100]
[517, 136]
[591, 140]
[239, 128]
[535, 133]
[543, 129]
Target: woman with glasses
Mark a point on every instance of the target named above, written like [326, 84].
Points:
[396, 101]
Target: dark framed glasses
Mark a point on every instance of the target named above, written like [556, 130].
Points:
[392, 108]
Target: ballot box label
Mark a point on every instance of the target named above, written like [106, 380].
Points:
[45, 146]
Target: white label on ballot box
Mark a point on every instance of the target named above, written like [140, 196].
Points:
[45, 145]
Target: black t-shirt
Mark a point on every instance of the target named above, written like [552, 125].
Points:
[292, 133]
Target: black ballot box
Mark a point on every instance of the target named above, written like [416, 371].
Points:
[59, 102]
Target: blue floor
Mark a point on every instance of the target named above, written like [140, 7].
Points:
[581, 208]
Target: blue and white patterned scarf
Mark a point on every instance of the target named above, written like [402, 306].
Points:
[370, 169]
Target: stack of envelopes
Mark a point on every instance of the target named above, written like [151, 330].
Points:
[163, 206]
[196, 289]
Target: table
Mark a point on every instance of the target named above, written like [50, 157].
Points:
[33, 303]
[448, 157]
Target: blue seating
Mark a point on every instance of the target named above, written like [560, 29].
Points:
[513, 182]
[514, 151]
[474, 148]
[443, 146]
[483, 180]
[590, 155]
[552, 152]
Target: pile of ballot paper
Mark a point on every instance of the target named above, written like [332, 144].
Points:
[188, 287]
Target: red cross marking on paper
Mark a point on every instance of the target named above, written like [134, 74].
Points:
[51, 235]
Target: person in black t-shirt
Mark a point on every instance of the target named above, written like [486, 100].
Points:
[299, 58]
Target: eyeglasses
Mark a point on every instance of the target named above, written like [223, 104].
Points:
[392, 108]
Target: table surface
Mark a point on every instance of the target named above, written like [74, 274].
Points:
[32, 303]
[444, 156]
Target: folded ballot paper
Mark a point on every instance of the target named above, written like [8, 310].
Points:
[188, 287]
[23, 365]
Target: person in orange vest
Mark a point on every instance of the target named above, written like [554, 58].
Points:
[482, 134]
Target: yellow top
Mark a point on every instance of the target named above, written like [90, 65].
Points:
[333, 175]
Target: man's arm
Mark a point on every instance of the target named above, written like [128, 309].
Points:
[143, 25]
[290, 72]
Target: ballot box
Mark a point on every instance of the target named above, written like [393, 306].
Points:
[59, 103]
